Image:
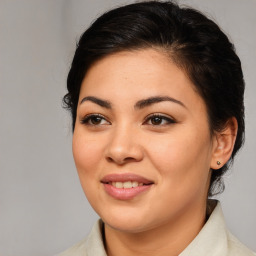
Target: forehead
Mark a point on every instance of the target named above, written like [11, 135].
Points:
[137, 74]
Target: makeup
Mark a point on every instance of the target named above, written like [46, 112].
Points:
[125, 186]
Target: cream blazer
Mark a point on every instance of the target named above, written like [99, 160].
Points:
[213, 240]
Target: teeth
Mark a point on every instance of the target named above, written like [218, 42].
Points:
[119, 185]
[135, 184]
[126, 184]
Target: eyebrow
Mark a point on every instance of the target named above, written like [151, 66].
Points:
[139, 105]
[100, 102]
[152, 100]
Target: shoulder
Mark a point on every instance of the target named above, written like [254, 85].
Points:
[78, 249]
[236, 248]
[214, 239]
[93, 244]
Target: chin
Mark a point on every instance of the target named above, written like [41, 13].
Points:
[126, 221]
[126, 226]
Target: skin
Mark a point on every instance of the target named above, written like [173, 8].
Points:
[175, 153]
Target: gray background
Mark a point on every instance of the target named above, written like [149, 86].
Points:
[42, 207]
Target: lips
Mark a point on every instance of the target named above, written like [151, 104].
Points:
[125, 186]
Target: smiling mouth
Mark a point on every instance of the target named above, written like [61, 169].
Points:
[126, 180]
[125, 186]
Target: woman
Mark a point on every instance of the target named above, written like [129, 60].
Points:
[156, 96]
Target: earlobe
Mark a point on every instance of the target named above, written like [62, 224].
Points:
[223, 145]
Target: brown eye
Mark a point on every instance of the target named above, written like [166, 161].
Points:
[94, 119]
[156, 120]
[159, 120]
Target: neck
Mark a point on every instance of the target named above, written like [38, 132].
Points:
[170, 238]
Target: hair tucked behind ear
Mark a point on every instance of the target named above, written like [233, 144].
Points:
[194, 42]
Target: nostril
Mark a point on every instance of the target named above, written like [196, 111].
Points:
[116, 153]
[128, 159]
[109, 159]
[120, 160]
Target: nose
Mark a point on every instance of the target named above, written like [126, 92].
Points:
[124, 146]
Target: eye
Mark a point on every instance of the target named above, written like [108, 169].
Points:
[94, 119]
[158, 119]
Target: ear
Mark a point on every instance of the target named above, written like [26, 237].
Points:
[223, 144]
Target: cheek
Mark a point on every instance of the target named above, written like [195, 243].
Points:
[170, 152]
[182, 156]
[87, 154]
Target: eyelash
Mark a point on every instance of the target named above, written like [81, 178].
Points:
[168, 120]
[87, 120]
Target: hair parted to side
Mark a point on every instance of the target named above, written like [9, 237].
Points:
[195, 44]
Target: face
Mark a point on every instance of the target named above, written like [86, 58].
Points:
[141, 144]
